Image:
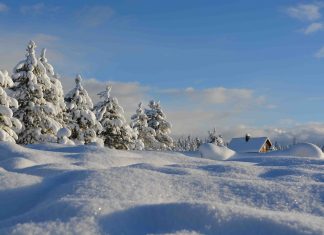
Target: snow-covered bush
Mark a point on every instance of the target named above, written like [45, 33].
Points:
[146, 134]
[9, 126]
[63, 136]
[80, 119]
[157, 121]
[35, 113]
[116, 133]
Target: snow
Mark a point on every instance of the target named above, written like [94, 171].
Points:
[212, 151]
[305, 150]
[57, 189]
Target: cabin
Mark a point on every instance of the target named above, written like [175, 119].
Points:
[250, 144]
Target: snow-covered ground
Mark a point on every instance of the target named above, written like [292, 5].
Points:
[54, 189]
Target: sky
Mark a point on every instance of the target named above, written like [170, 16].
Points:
[237, 66]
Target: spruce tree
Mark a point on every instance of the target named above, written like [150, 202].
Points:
[216, 139]
[55, 95]
[157, 121]
[146, 134]
[9, 126]
[34, 112]
[116, 132]
[82, 121]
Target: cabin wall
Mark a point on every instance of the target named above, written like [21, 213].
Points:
[265, 148]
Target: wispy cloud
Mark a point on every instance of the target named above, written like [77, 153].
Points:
[35, 9]
[95, 15]
[308, 132]
[38, 8]
[320, 53]
[313, 27]
[13, 46]
[218, 95]
[3, 7]
[305, 12]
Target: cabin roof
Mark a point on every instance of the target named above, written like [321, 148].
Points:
[252, 146]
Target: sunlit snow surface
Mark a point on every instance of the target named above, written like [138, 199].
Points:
[54, 189]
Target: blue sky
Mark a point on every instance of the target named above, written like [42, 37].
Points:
[265, 54]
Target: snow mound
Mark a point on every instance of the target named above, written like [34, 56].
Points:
[188, 218]
[305, 150]
[212, 151]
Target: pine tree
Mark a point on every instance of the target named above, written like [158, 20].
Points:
[82, 121]
[9, 126]
[215, 139]
[34, 112]
[146, 134]
[157, 121]
[55, 95]
[116, 132]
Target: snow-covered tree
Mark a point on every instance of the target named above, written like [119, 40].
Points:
[214, 138]
[9, 126]
[146, 134]
[187, 144]
[116, 132]
[35, 114]
[82, 121]
[157, 121]
[54, 95]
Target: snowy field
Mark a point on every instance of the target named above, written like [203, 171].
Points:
[52, 189]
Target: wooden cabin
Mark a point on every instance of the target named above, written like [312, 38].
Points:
[250, 144]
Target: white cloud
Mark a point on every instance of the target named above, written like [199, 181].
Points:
[313, 27]
[308, 12]
[307, 132]
[13, 47]
[3, 7]
[218, 96]
[320, 53]
[95, 15]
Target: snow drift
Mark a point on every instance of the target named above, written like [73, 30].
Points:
[304, 150]
[56, 189]
[212, 151]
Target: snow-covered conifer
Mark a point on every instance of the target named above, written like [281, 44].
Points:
[81, 120]
[116, 132]
[215, 139]
[54, 95]
[9, 126]
[146, 134]
[35, 114]
[157, 121]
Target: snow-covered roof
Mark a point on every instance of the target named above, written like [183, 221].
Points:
[253, 145]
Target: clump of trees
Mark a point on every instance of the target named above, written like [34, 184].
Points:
[190, 143]
[39, 112]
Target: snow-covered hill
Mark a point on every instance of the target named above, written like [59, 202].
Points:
[53, 189]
